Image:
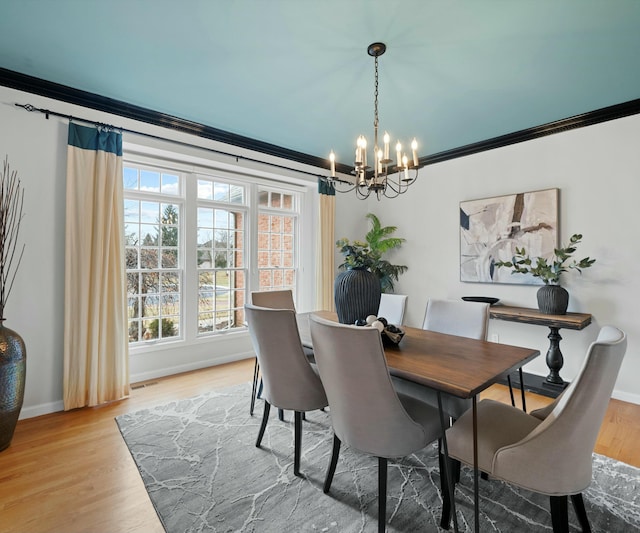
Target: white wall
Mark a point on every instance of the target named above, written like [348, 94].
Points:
[597, 170]
[37, 150]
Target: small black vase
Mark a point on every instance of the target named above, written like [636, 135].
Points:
[12, 378]
[553, 300]
[357, 295]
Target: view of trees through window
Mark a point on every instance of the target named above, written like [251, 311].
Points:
[152, 241]
[220, 256]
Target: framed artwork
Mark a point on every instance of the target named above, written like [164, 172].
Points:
[492, 228]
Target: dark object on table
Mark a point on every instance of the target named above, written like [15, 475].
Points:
[482, 299]
[392, 335]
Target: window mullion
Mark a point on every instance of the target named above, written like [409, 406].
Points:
[190, 283]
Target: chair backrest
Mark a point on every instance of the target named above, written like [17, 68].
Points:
[273, 299]
[289, 381]
[365, 410]
[556, 457]
[464, 319]
[392, 307]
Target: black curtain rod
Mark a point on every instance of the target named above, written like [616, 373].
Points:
[48, 112]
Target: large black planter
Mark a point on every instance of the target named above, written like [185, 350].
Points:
[357, 295]
[13, 357]
[553, 300]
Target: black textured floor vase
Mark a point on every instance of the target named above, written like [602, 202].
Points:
[357, 295]
[553, 300]
[13, 359]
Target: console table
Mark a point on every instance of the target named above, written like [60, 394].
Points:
[554, 358]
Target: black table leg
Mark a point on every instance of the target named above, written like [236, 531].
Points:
[476, 497]
[554, 356]
[447, 465]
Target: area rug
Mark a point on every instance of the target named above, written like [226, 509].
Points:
[203, 473]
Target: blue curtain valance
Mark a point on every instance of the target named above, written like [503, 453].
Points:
[326, 187]
[96, 139]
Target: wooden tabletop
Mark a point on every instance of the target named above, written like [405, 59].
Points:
[527, 315]
[457, 365]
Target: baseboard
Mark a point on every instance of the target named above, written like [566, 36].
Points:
[626, 397]
[196, 365]
[54, 407]
[41, 409]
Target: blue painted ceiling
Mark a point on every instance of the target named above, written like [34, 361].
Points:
[295, 73]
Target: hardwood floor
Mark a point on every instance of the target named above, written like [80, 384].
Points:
[72, 472]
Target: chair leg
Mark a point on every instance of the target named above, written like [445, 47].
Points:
[256, 370]
[297, 438]
[445, 520]
[559, 514]
[456, 470]
[513, 401]
[454, 466]
[263, 426]
[281, 415]
[382, 494]
[524, 402]
[332, 464]
[581, 512]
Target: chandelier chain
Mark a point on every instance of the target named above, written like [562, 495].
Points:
[375, 93]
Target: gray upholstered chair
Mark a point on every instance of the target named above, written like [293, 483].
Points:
[465, 319]
[274, 300]
[289, 380]
[392, 307]
[366, 412]
[548, 451]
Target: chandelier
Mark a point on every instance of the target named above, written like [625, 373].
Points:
[379, 178]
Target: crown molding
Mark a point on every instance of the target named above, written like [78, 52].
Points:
[64, 93]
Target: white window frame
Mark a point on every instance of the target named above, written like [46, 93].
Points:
[179, 200]
[192, 167]
[296, 213]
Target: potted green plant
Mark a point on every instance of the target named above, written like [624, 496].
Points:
[368, 254]
[552, 298]
[364, 273]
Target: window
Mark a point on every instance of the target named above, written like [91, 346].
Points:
[276, 240]
[220, 253]
[197, 242]
[152, 253]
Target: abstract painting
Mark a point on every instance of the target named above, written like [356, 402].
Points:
[492, 228]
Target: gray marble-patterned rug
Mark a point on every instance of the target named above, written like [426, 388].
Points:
[199, 463]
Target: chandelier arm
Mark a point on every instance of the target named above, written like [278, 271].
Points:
[347, 189]
[361, 195]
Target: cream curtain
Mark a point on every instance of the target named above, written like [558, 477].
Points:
[325, 267]
[96, 358]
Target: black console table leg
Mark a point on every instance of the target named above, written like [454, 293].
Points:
[554, 357]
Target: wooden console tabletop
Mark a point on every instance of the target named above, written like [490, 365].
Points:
[534, 316]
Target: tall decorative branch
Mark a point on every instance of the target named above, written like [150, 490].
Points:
[11, 203]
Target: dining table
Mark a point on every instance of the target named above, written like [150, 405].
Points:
[449, 364]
